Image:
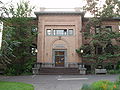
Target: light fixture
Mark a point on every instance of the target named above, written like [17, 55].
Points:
[36, 50]
[81, 51]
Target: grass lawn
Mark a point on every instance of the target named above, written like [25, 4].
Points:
[15, 86]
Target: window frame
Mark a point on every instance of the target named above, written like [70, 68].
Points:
[60, 32]
[49, 32]
[108, 27]
[97, 29]
[69, 32]
[63, 34]
[35, 29]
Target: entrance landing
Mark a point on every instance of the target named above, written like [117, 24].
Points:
[59, 71]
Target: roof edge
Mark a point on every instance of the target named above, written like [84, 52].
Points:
[59, 13]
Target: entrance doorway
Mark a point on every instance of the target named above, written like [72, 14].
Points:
[59, 58]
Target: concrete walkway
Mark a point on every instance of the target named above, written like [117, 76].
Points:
[59, 82]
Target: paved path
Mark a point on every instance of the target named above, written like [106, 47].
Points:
[58, 82]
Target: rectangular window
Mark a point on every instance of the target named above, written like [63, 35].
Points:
[34, 30]
[109, 28]
[48, 32]
[60, 32]
[98, 50]
[97, 29]
[70, 32]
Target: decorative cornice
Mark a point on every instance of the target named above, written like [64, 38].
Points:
[59, 13]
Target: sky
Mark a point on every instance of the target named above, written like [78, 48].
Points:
[53, 3]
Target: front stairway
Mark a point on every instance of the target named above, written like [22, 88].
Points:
[59, 71]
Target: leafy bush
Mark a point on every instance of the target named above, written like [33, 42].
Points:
[20, 68]
[86, 87]
[102, 85]
[114, 71]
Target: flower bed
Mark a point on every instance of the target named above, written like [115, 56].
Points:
[102, 85]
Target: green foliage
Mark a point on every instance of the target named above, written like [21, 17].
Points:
[86, 87]
[20, 69]
[23, 9]
[111, 8]
[85, 48]
[17, 39]
[15, 86]
[114, 71]
[6, 52]
[118, 66]
[100, 40]
[102, 85]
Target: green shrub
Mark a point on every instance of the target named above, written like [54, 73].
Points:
[20, 68]
[86, 87]
[114, 71]
[102, 85]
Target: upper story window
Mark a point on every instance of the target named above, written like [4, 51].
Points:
[70, 32]
[119, 28]
[98, 29]
[48, 32]
[109, 28]
[59, 32]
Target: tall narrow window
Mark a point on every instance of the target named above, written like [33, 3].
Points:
[70, 32]
[98, 50]
[49, 32]
[97, 29]
[65, 32]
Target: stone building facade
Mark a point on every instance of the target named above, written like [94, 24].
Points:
[59, 35]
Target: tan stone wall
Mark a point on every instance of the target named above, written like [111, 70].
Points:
[47, 43]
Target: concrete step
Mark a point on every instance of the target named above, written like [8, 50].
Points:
[55, 71]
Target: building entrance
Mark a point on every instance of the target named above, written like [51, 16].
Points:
[59, 58]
